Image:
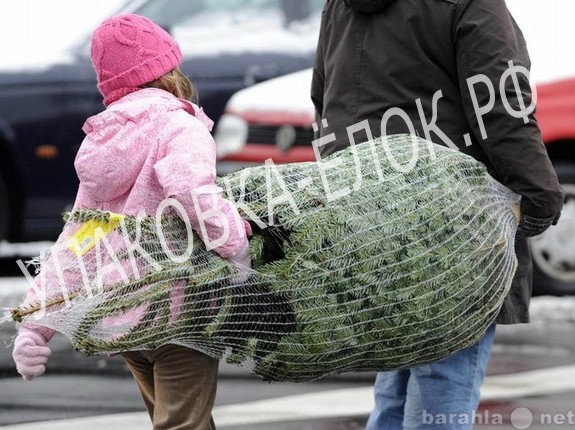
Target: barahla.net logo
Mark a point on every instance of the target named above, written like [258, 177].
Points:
[520, 418]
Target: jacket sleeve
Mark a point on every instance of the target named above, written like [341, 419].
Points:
[317, 83]
[187, 173]
[486, 39]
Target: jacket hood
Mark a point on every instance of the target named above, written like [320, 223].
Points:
[369, 6]
[119, 140]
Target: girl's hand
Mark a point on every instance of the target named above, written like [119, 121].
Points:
[30, 353]
[243, 263]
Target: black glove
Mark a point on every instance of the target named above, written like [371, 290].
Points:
[530, 226]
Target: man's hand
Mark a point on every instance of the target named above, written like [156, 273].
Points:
[30, 353]
[531, 226]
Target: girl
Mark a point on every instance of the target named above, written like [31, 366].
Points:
[150, 144]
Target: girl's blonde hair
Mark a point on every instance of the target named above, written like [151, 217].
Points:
[177, 83]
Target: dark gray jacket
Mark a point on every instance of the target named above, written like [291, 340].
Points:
[374, 55]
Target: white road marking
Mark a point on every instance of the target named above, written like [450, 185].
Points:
[29, 249]
[359, 401]
[326, 404]
[13, 287]
[128, 421]
[539, 382]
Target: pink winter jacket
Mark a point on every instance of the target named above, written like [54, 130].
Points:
[144, 148]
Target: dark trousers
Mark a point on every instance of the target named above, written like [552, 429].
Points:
[178, 386]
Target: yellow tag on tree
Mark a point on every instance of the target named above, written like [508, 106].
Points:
[86, 238]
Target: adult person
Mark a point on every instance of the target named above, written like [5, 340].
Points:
[394, 56]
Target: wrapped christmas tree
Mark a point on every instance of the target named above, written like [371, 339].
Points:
[387, 255]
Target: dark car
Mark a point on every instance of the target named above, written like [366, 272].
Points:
[227, 45]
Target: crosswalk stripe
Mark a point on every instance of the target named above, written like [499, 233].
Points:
[539, 382]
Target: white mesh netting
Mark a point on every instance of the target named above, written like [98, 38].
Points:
[404, 268]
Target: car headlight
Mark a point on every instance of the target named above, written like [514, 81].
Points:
[231, 135]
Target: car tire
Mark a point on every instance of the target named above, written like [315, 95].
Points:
[553, 252]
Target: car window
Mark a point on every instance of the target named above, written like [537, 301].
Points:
[213, 27]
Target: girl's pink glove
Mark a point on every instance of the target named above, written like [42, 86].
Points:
[242, 259]
[30, 353]
[243, 263]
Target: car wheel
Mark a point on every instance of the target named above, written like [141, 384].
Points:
[553, 252]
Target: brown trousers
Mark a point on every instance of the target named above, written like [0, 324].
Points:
[178, 386]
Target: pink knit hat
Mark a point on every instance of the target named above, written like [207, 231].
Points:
[129, 51]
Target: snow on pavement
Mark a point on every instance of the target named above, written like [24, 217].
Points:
[551, 309]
